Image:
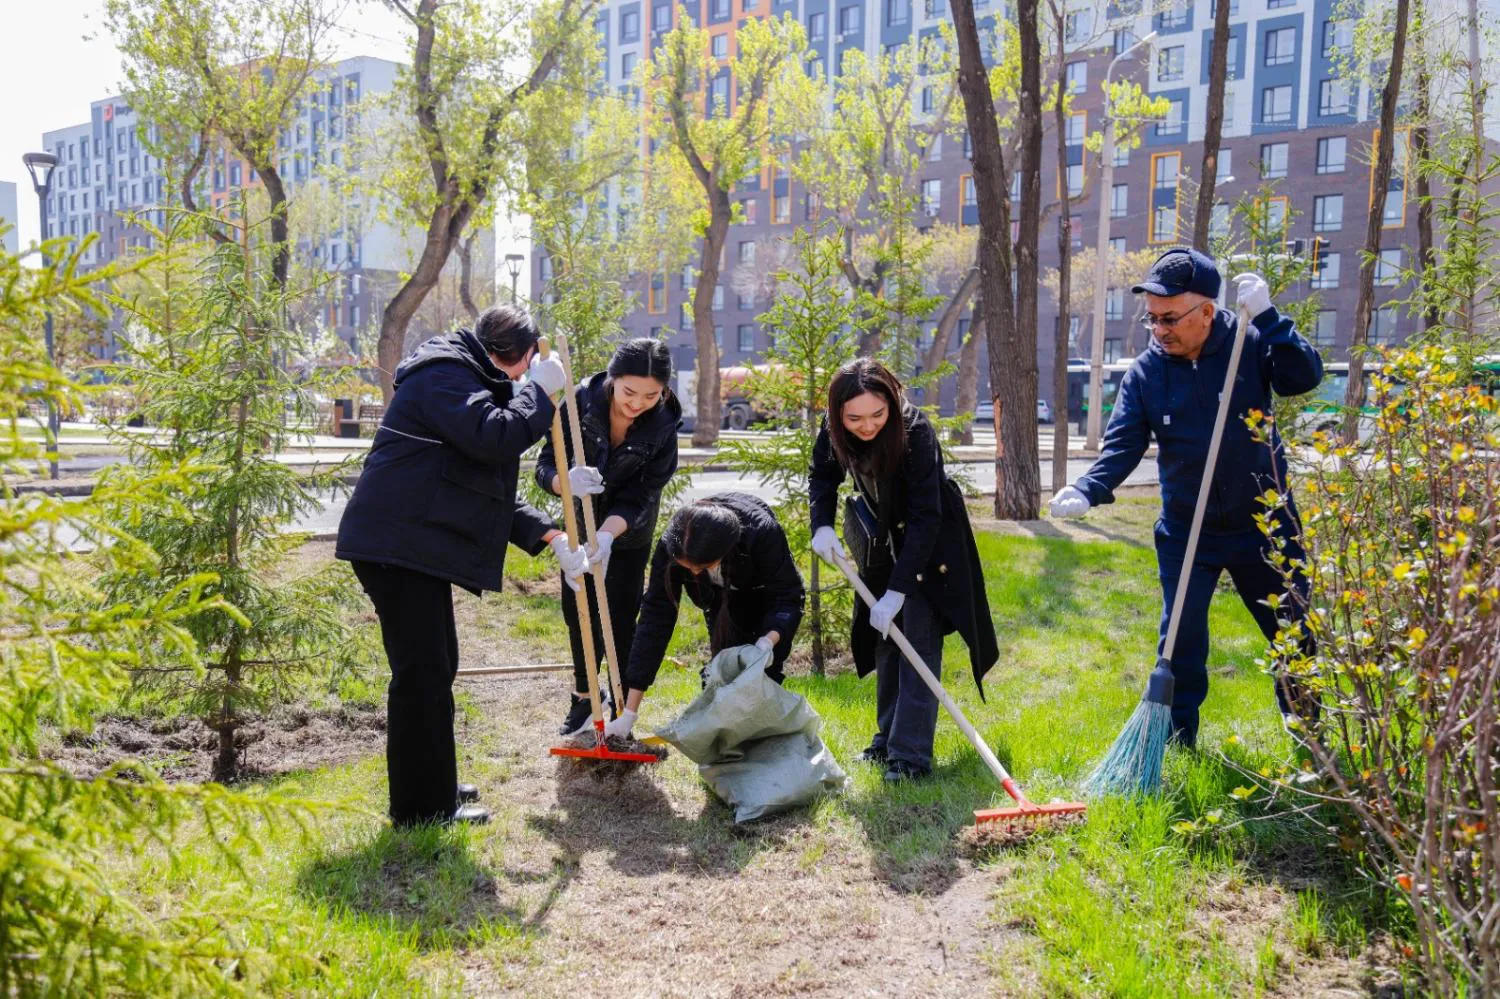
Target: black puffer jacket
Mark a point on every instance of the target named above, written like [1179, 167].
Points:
[634, 473]
[923, 513]
[765, 591]
[438, 490]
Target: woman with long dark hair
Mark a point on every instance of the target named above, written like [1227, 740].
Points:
[730, 556]
[629, 418]
[910, 534]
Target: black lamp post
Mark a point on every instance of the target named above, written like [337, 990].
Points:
[513, 264]
[40, 166]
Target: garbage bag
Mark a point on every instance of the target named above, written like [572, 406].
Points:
[755, 742]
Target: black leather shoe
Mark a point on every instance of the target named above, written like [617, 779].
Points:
[467, 793]
[872, 754]
[474, 815]
[900, 770]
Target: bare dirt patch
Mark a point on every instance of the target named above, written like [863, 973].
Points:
[289, 739]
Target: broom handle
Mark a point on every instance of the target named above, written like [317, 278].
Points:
[975, 739]
[590, 536]
[570, 524]
[1206, 486]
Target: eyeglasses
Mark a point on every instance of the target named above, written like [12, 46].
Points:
[1149, 321]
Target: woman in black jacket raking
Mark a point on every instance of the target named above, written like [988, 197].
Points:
[629, 420]
[912, 542]
[731, 558]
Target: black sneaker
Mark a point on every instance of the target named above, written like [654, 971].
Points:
[467, 793]
[579, 720]
[900, 770]
[473, 815]
[872, 754]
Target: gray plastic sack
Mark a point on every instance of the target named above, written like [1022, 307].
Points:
[756, 743]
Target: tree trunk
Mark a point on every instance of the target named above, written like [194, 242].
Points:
[1213, 129]
[1020, 497]
[466, 275]
[409, 297]
[967, 399]
[1064, 260]
[942, 334]
[281, 247]
[1380, 183]
[1421, 151]
[710, 408]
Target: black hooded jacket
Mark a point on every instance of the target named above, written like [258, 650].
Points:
[438, 490]
[634, 473]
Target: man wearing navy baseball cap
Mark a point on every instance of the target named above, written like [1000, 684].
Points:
[1172, 392]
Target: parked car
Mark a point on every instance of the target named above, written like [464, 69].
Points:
[984, 411]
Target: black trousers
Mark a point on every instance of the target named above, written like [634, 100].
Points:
[421, 644]
[741, 626]
[624, 584]
[906, 709]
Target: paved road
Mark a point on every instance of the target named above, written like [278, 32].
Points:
[326, 521]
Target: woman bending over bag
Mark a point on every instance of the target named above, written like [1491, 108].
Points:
[909, 531]
[730, 556]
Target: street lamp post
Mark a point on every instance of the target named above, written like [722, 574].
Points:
[1101, 255]
[513, 264]
[40, 166]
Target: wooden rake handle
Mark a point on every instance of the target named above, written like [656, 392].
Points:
[570, 524]
[975, 739]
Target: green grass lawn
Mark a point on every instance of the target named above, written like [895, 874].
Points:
[1132, 902]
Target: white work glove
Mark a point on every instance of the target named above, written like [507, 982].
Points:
[825, 544]
[620, 727]
[599, 554]
[548, 373]
[885, 610]
[574, 561]
[764, 643]
[585, 480]
[1069, 502]
[1251, 291]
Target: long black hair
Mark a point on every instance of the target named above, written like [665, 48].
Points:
[645, 357]
[507, 331]
[882, 457]
[703, 533]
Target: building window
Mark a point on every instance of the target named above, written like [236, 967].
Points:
[814, 209]
[935, 150]
[1164, 224]
[1172, 124]
[1328, 213]
[1274, 4]
[747, 252]
[1394, 215]
[848, 20]
[932, 196]
[1124, 39]
[1114, 303]
[661, 17]
[817, 26]
[1169, 64]
[1281, 46]
[719, 336]
[1165, 169]
[781, 208]
[1276, 105]
[1325, 334]
[1273, 157]
[1228, 121]
[718, 298]
[718, 95]
[1331, 154]
[745, 337]
[1078, 26]
[628, 61]
[1118, 245]
[1078, 126]
[929, 99]
[1119, 201]
[744, 302]
[689, 278]
[1174, 17]
[748, 206]
[656, 295]
[1388, 268]
[934, 9]
[1326, 273]
[897, 11]
[1112, 350]
[1213, 8]
[1218, 222]
[1338, 37]
[1383, 326]
[1075, 180]
[720, 46]
[1277, 217]
[685, 316]
[1224, 167]
[1333, 97]
[967, 193]
[1078, 77]
[968, 145]
[1122, 155]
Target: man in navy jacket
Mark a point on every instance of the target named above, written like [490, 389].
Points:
[1171, 392]
[436, 506]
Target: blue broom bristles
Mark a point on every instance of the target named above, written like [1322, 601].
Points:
[1133, 763]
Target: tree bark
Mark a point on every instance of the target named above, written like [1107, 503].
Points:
[942, 334]
[1015, 407]
[1421, 150]
[466, 275]
[967, 399]
[1213, 129]
[1380, 183]
[710, 407]
[1064, 257]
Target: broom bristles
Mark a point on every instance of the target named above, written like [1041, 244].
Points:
[1133, 763]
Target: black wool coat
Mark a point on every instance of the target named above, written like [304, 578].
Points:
[634, 473]
[438, 490]
[923, 512]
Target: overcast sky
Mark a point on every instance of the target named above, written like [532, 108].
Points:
[58, 58]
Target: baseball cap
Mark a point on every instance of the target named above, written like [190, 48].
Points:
[1179, 271]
